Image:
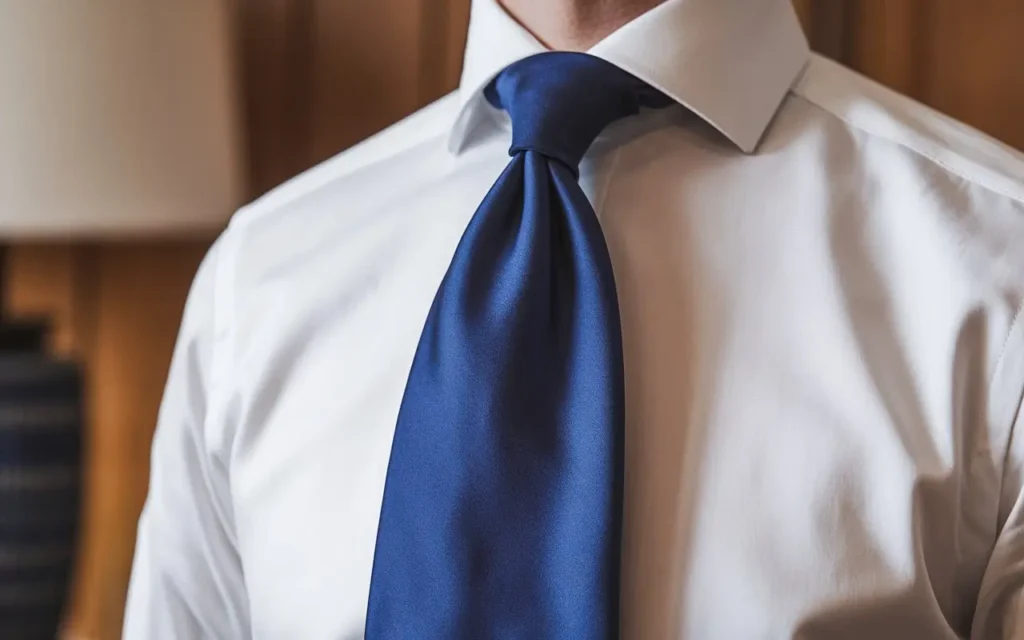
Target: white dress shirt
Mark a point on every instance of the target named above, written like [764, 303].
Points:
[819, 283]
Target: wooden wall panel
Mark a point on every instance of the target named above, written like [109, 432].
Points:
[41, 282]
[973, 67]
[321, 75]
[963, 58]
[274, 46]
[115, 309]
[827, 25]
[458, 27]
[365, 69]
[887, 43]
[140, 291]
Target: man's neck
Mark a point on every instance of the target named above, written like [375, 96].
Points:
[575, 25]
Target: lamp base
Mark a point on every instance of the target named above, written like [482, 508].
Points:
[40, 473]
[23, 336]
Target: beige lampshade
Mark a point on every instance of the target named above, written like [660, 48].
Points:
[117, 118]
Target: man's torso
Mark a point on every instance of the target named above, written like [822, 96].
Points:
[818, 398]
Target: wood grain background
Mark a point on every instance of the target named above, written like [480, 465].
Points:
[962, 57]
[320, 75]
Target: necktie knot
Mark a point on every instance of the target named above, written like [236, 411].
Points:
[560, 101]
[502, 507]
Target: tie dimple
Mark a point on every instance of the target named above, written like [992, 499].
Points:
[560, 102]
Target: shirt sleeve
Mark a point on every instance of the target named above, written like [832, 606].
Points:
[186, 580]
[999, 614]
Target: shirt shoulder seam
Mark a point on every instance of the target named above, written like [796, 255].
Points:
[363, 155]
[223, 320]
[921, 153]
[1014, 416]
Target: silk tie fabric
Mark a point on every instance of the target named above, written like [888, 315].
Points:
[502, 505]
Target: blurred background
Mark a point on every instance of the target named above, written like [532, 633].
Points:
[129, 132]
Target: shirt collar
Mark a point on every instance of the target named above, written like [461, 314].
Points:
[731, 62]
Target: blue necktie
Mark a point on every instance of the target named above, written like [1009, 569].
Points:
[502, 506]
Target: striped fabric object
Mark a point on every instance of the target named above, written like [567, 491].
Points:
[40, 468]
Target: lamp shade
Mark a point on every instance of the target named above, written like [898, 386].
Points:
[117, 117]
